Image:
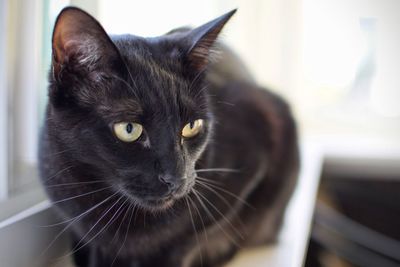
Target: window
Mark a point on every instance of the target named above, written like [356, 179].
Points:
[25, 34]
[349, 84]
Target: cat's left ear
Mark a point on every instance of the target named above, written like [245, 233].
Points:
[202, 39]
[80, 44]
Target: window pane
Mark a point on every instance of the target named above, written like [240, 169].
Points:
[26, 45]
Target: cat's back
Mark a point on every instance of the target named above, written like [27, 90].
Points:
[254, 133]
[230, 80]
[244, 109]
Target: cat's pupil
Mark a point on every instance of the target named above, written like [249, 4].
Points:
[129, 128]
[191, 125]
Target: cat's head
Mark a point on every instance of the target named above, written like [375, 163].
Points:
[134, 111]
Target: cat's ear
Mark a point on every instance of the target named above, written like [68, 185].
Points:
[202, 39]
[80, 43]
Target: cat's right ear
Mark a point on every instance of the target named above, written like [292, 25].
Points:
[202, 39]
[80, 44]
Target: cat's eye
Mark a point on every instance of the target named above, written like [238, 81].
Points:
[193, 128]
[128, 131]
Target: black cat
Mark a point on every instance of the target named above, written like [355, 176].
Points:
[155, 156]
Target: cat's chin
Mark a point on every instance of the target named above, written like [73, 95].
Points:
[154, 205]
[157, 205]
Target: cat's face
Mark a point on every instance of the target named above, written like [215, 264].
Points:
[134, 133]
[133, 110]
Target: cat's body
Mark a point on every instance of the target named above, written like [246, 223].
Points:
[248, 156]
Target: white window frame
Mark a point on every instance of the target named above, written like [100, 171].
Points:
[3, 105]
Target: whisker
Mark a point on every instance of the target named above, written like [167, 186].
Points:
[198, 178]
[77, 183]
[58, 152]
[206, 181]
[223, 216]
[73, 221]
[57, 173]
[201, 219]
[225, 201]
[226, 103]
[196, 193]
[136, 207]
[120, 224]
[81, 195]
[102, 229]
[126, 236]
[195, 232]
[77, 246]
[217, 170]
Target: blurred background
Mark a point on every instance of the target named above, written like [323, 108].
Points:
[336, 61]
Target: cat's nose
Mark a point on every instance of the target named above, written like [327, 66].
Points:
[172, 182]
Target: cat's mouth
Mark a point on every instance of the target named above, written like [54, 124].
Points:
[160, 204]
[155, 202]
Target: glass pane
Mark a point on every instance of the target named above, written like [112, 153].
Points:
[28, 54]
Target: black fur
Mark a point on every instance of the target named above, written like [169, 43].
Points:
[133, 218]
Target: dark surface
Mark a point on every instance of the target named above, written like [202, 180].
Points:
[371, 205]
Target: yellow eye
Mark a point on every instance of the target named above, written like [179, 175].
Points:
[193, 128]
[128, 131]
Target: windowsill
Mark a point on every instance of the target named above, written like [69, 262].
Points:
[333, 153]
[21, 202]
